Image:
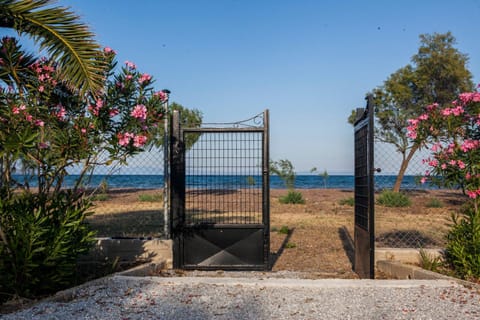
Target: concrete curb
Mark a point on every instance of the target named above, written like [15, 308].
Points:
[398, 270]
[130, 250]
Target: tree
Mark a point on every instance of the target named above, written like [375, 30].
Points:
[438, 73]
[452, 133]
[190, 118]
[58, 31]
[324, 175]
[46, 129]
[285, 170]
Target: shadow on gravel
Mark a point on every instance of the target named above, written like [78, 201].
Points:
[275, 255]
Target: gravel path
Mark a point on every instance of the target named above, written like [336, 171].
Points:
[125, 297]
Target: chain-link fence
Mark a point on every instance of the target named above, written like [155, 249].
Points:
[417, 217]
[128, 199]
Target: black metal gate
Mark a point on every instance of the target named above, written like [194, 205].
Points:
[220, 195]
[364, 234]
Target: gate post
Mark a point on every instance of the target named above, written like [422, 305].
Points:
[266, 187]
[364, 232]
[177, 183]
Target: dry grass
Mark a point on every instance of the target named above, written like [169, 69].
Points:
[319, 230]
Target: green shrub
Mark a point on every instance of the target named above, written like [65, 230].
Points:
[158, 197]
[429, 261]
[347, 202]
[390, 198]
[41, 238]
[284, 230]
[100, 197]
[463, 243]
[292, 197]
[434, 203]
[290, 245]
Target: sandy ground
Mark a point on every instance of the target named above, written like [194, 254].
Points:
[318, 234]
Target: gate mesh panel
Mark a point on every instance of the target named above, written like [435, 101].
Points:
[224, 178]
[361, 178]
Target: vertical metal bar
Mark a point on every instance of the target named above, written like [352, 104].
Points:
[177, 192]
[266, 187]
[371, 183]
[166, 170]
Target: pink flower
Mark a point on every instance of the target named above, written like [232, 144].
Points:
[460, 164]
[139, 141]
[113, 112]
[413, 122]
[468, 145]
[458, 111]
[433, 163]
[130, 65]
[469, 97]
[412, 134]
[61, 113]
[15, 110]
[443, 166]
[109, 50]
[83, 130]
[139, 112]
[41, 88]
[472, 194]
[43, 145]
[124, 139]
[128, 77]
[93, 109]
[39, 123]
[161, 95]
[144, 78]
[436, 147]
[423, 117]
[446, 112]
[432, 107]
[423, 180]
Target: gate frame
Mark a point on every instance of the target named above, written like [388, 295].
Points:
[178, 191]
[364, 233]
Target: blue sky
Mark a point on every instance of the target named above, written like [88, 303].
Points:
[309, 62]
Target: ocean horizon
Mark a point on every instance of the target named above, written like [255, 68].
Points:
[137, 181]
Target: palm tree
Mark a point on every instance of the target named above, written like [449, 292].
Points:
[58, 31]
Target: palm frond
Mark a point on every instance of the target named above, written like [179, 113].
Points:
[58, 31]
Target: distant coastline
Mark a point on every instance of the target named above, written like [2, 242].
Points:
[244, 181]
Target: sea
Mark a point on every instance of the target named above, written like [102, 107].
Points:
[345, 182]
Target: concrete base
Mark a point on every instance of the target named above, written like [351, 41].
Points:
[399, 270]
[403, 255]
[157, 251]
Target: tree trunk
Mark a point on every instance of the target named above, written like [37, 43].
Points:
[403, 168]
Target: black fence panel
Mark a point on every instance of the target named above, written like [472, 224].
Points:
[364, 234]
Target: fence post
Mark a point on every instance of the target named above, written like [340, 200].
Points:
[177, 184]
[166, 169]
[266, 186]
